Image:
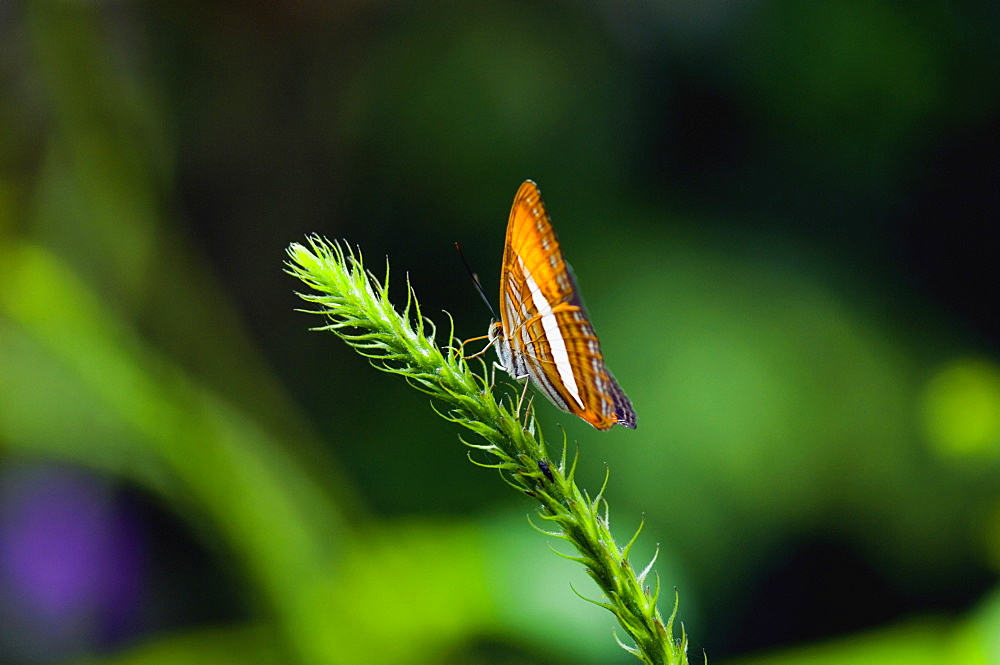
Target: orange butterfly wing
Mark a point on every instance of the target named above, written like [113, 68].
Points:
[544, 322]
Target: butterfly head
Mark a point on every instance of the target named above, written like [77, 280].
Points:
[495, 332]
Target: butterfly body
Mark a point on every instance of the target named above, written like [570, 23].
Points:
[544, 333]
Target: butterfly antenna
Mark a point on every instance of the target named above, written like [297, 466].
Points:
[475, 280]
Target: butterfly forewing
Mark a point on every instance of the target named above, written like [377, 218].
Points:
[545, 333]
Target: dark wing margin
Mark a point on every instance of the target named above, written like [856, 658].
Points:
[623, 406]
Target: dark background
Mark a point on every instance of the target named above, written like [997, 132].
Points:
[783, 217]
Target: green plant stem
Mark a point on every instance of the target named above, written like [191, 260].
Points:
[358, 310]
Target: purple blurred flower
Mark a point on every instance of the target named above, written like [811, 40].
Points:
[70, 563]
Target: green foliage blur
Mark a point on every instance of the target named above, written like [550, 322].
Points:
[783, 218]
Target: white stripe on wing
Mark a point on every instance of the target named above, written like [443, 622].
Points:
[560, 356]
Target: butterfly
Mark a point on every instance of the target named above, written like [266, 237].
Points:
[544, 333]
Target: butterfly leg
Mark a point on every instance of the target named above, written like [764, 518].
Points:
[461, 347]
[527, 410]
[520, 401]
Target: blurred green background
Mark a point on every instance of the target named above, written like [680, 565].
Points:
[783, 217]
